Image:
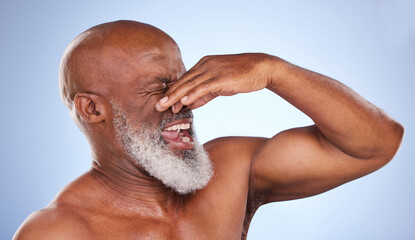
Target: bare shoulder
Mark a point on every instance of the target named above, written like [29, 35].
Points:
[53, 222]
[233, 150]
[234, 144]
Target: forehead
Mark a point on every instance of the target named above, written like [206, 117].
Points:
[158, 66]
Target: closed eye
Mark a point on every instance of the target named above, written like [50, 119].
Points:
[165, 85]
[157, 91]
[162, 90]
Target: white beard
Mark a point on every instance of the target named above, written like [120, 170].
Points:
[184, 174]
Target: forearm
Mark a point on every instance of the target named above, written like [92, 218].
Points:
[348, 121]
[345, 119]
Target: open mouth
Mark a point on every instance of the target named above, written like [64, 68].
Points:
[177, 134]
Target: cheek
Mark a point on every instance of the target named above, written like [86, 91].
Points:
[149, 113]
[142, 110]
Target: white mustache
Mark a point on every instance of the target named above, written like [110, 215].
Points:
[148, 149]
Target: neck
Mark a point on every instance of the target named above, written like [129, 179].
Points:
[128, 187]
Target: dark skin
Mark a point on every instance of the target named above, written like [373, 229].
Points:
[139, 66]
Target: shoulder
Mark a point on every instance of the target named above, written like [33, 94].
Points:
[236, 146]
[53, 222]
[231, 153]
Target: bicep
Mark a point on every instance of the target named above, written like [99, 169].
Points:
[300, 162]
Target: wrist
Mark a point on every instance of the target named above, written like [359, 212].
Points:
[276, 70]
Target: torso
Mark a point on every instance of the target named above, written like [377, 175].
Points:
[222, 210]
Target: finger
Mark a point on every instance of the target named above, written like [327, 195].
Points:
[178, 93]
[199, 64]
[189, 81]
[201, 90]
[175, 108]
[184, 78]
[191, 73]
[201, 101]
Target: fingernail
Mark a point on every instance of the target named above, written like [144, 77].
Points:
[158, 106]
[164, 100]
[184, 99]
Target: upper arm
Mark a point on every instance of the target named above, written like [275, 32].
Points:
[48, 224]
[301, 162]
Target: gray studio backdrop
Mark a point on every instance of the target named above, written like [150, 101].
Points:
[368, 45]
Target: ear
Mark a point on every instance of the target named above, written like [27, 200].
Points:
[90, 107]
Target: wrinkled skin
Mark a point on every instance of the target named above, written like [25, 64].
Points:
[141, 67]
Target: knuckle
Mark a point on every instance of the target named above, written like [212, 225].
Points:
[191, 82]
[203, 88]
[206, 85]
[205, 57]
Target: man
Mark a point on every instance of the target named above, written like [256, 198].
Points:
[127, 89]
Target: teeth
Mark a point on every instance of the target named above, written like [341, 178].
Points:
[185, 139]
[178, 127]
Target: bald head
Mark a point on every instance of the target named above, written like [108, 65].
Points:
[103, 56]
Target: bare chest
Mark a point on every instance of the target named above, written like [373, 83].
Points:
[211, 222]
[218, 214]
[219, 211]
